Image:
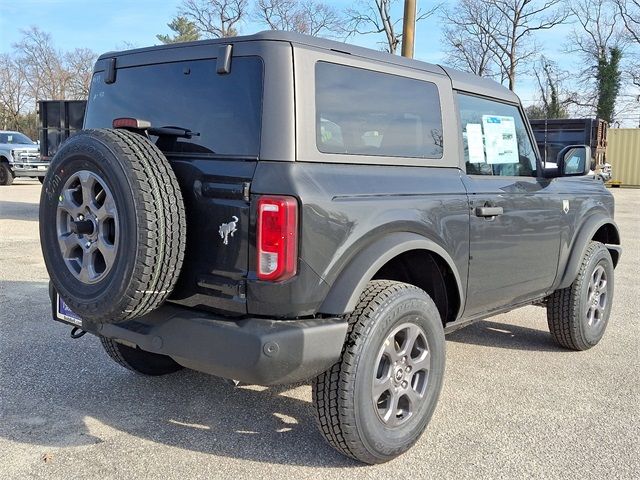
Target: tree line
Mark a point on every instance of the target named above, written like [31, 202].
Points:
[499, 39]
[37, 70]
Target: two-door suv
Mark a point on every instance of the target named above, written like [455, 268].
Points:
[278, 208]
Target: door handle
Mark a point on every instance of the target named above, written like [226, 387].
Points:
[489, 211]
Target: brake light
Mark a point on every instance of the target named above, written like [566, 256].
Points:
[134, 123]
[277, 239]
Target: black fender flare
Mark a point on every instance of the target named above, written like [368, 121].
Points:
[353, 278]
[581, 243]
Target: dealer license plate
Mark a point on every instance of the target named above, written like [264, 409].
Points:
[65, 314]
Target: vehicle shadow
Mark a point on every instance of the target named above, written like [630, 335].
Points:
[19, 211]
[59, 392]
[487, 333]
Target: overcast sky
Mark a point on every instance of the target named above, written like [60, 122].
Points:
[104, 25]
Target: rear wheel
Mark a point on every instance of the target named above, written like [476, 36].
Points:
[578, 315]
[6, 176]
[139, 361]
[374, 404]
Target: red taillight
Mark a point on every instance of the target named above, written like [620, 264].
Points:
[277, 241]
[131, 123]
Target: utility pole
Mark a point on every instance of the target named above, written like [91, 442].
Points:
[408, 28]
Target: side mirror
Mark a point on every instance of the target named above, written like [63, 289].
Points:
[574, 160]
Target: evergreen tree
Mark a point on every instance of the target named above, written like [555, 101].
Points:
[185, 31]
[608, 79]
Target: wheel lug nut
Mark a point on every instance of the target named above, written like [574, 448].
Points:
[88, 244]
[408, 369]
[404, 384]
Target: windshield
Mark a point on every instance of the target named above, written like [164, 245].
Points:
[15, 138]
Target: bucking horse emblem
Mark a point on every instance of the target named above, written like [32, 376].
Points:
[227, 230]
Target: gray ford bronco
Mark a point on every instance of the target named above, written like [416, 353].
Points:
[278, 208]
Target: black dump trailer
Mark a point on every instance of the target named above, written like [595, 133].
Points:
[57, 121]
[555, 134]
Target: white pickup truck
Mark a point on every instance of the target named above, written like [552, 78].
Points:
[19, 157]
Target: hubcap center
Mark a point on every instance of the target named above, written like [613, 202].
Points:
[83, 227]
[399, 375]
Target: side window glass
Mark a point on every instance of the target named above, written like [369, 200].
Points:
[363, 112]
[495, 138]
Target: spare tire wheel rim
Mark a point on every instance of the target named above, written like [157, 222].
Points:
[401, 374]
[87, 226]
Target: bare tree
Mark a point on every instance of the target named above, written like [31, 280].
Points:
[375, 17]
[598, 29]
[630, 15]
[310, 17]
[79, 63]
[14, 97]
[598, 33]
[43, 64]
[554, 99]
[469, 45]
[511, 24]
[320, 19]
[215, 18]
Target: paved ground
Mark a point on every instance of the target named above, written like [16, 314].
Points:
[514, 405]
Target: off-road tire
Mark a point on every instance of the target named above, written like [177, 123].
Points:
[345, 410]
[139, 361]
[6, 175]
[151, 219]
[566, 308]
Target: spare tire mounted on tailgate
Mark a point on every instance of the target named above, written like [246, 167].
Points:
[112, 225]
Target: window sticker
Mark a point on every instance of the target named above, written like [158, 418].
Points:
[475, 143]
[500, 139]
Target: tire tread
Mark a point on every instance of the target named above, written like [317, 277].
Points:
[563, 306]
[330, 390]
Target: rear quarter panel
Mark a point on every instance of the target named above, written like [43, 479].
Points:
[344, 208]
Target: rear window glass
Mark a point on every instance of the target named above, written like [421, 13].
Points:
[225, 110]
[362, 112]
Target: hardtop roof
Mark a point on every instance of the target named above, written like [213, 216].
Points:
[460, 80]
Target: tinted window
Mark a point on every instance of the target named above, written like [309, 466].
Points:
[224, 109]
[495, 138]
[361, 112]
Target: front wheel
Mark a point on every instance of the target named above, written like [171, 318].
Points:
[578, 315]
[376, 401]
[6, 175]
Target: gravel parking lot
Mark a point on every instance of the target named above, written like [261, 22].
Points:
[514, 405]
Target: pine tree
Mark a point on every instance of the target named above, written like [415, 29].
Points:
[185, 30]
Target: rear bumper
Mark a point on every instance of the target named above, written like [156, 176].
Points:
[254, 350]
